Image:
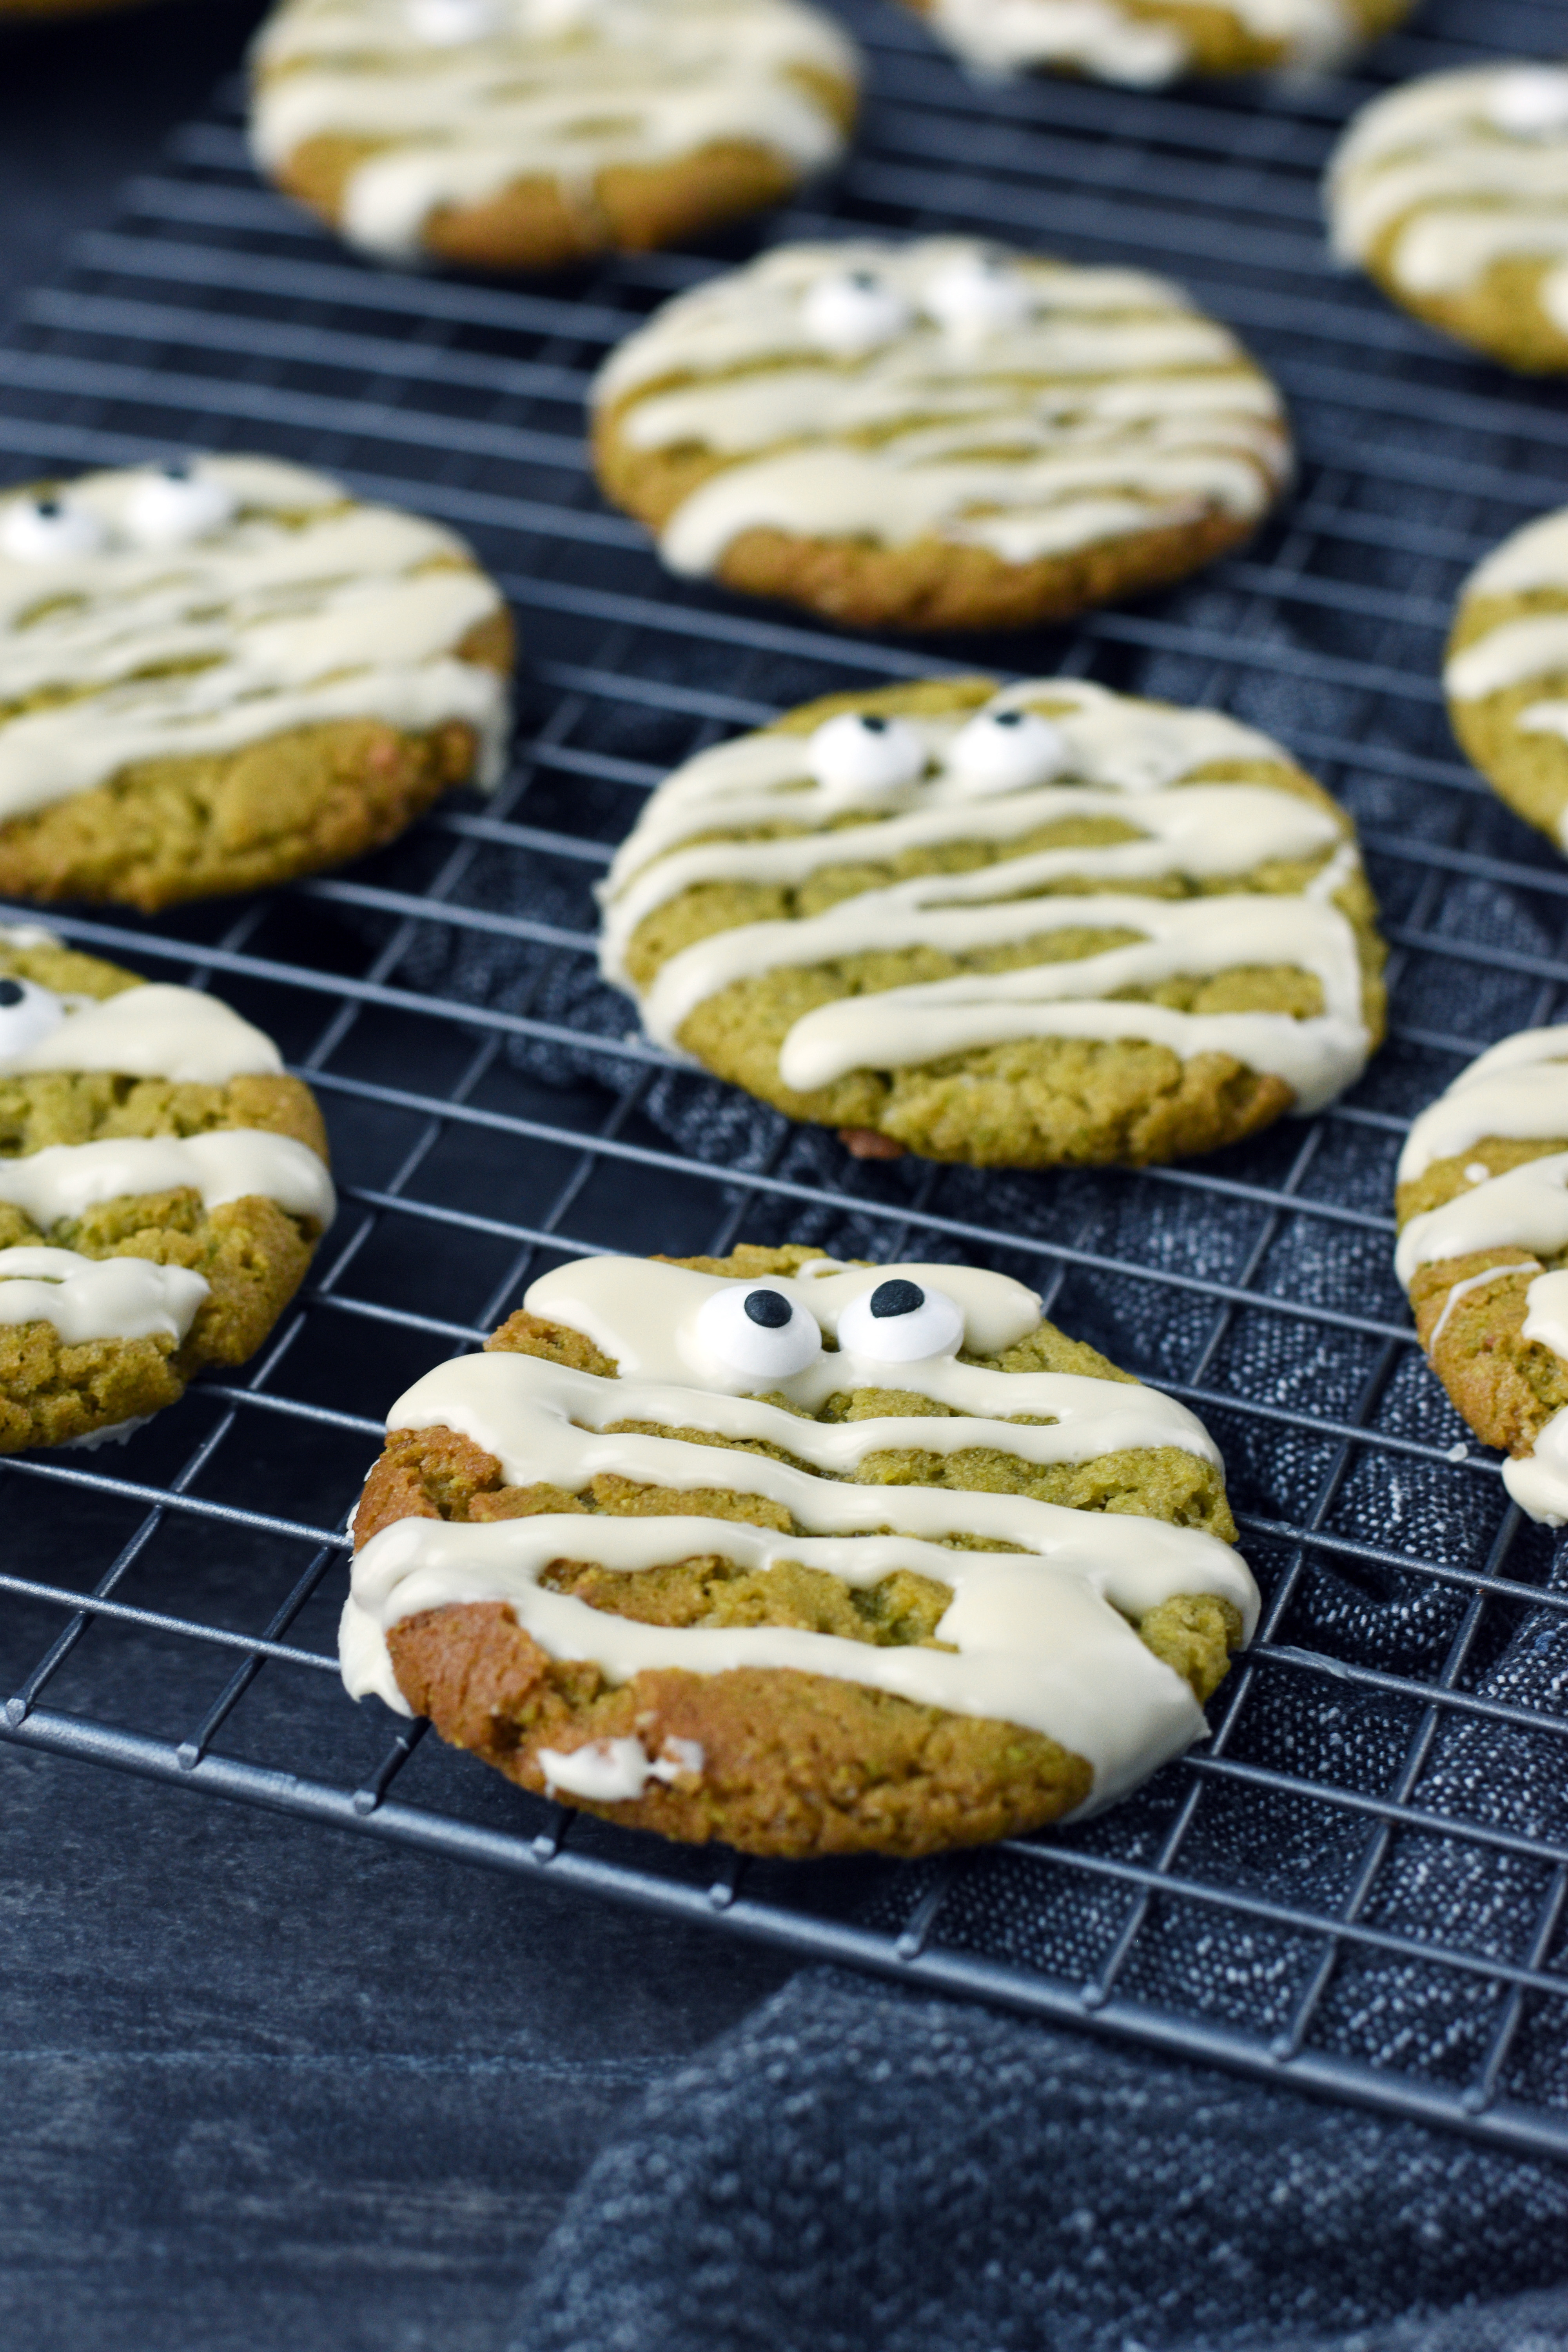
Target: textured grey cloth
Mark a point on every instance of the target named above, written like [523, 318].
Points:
[858, 2169]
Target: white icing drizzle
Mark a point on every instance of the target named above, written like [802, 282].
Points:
[289, 609]
[98, 1298]
[156, 1031]
[1097, 37]
[1099, 405]
[1473, 176]
[1517, 1091]
[530, 89]
[1037, 1639]
[233, 1163]
[1127, 755]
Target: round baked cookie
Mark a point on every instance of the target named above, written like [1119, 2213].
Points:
[524, 134]
[809, 1556]
[937, 435]
[1452, 192]
[1483, 1252]
[222, 674]
[1150, 42]
[163, 1184]
[1045, 925]
[1506, 675]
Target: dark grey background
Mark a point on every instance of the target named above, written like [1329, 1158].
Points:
[264, 2087]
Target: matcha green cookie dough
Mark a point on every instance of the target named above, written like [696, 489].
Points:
[226, 672]
[1041, 926]
[1147, 43]
[525, 134]
[942, 434]
[1506, 675]
[163, 1184]
[807, 1557]
[1452, 192]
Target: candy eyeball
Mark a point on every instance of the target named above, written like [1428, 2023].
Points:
[447, 24]
[852, 312]
[902, 1322]
[862, 752]
[1531, 102]
[1006, 750]
[175, 506]
[977, 295]
[46, 530]
[27, 1015]
[757, 1332]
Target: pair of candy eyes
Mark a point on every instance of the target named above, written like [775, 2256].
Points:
[1001, 749]
[166, 509]
[854, 312]
[763, 1334]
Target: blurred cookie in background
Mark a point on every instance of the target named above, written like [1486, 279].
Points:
[1149, 42]
[525, 134]
[1507, 672]
[1452, 193]
[226, 672]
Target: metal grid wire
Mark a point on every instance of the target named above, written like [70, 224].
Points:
[170, 1609]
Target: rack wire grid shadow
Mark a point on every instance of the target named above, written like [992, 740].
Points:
[1358, 1883]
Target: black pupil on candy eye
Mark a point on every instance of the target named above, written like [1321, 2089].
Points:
[179, 472]
[875, 726]
[1009, 718]
[768, 1307]
[11, 993]
[49, 508]
[864, 280]
[897, 1298]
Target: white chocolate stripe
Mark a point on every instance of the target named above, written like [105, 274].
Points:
[1517, 1090]
[559, 89]
[99, 1299]
[1535, 645]
[1045, 431]
[894, 1028]
[278, 619]
[1100, 38]
[64, 1179]
[544, 1424]
[1203, 830]
[152, 1032]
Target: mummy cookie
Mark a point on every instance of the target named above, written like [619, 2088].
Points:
[1452, 192]
[809, 1556]
[1149, 42]
[163, 1184]
[521, 134]
[1046, 925]
[937, 435]
[1507, 672]
[222, 674]
[1483, 1254]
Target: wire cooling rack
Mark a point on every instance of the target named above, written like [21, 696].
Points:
[1358, 1884]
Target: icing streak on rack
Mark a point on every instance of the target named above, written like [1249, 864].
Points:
[1359, 1885]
